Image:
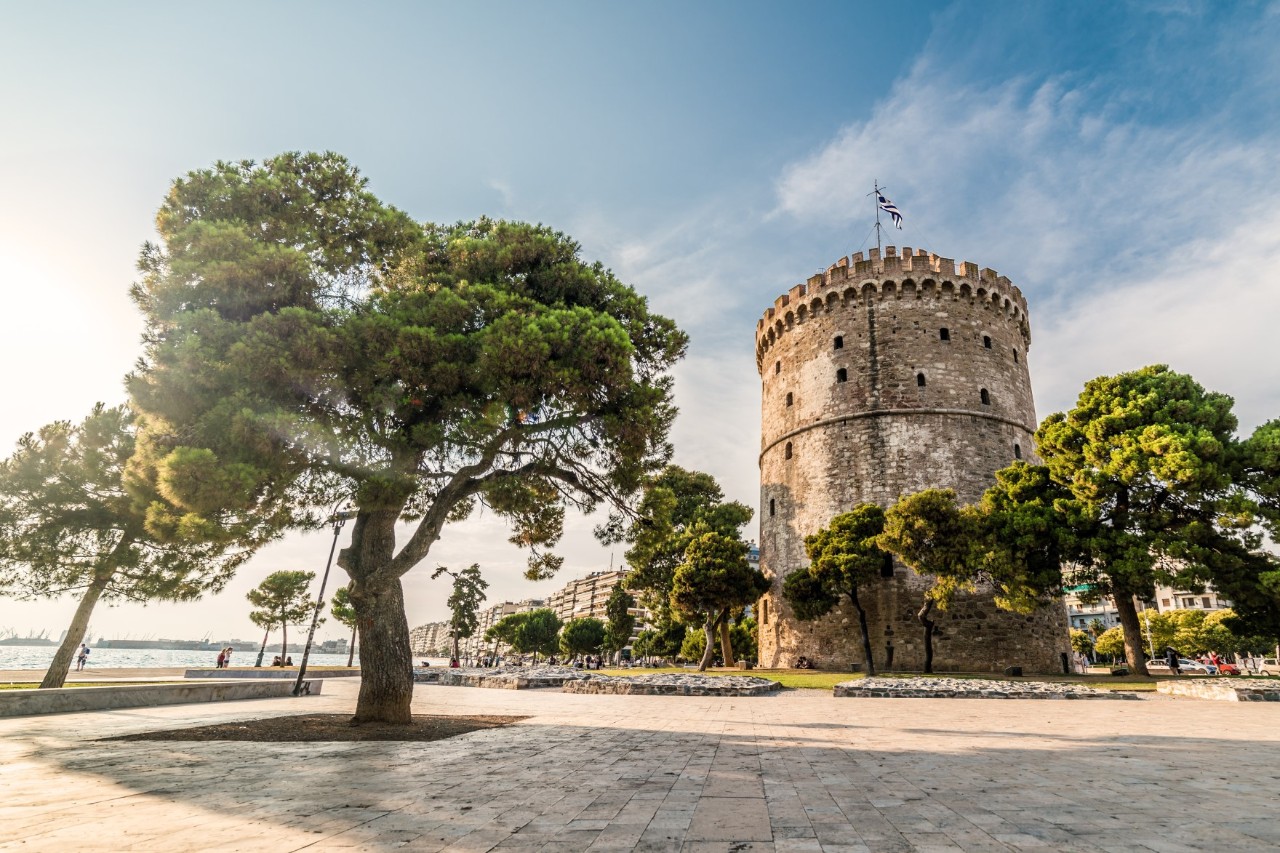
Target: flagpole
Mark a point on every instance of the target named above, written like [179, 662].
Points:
[875, 201]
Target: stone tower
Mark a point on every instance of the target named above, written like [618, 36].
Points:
[881, 377]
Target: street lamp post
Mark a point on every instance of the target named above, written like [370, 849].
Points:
[339, 519]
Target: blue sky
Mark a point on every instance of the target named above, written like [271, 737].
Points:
[1118, 161]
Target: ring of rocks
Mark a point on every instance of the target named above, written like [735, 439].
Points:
[572, 680]
[969, 688]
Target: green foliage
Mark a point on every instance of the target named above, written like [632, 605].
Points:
[620, 620]
[341, 608]
[675, 503]
[506, 629]
[663, 641]
[582, 636]
[744, 634]
[464, 600]
[694, 645]
[72, 520]
[1020, 542]
[70, 515]
[1110, 643]
[714, 578]
[538, 632]
[930, 532]
[281, 600]
[306, 341]
[1081, 642]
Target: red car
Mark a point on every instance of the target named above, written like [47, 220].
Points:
[1228, 669]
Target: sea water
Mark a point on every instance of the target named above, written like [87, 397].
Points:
[39, 657]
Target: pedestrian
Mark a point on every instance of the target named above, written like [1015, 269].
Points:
[222, 659]
[82, 657]
[1171, 657]
[226, 662]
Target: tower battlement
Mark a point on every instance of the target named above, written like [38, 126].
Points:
[852, 280]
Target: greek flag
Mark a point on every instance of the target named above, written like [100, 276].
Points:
[889, 208]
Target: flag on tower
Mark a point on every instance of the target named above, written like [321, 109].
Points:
[889, 208]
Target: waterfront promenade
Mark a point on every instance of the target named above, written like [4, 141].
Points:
[796, 771]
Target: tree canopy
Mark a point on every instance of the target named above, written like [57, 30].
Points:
[620, 622]
[582, 636]
[306, 341]
[281, 600]
[464, 602]
[72, 520]
[843, 559]
[342, 610]
[714, 578]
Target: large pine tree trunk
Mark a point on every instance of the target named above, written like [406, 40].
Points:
[455, 648]
[1132, 628]
[56, 675]
[923, 617]
[386, 664]
[870, 665]
[262, 650]
[709, 628]
[284, 639]
[726, 648]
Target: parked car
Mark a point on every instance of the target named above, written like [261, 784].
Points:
[1269, 667]
[1195, 666]
[1228, 669]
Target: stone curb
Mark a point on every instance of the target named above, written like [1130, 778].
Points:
[952, 689]
[18, 703]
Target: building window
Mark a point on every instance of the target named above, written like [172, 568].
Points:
[986, 397]
[1188, 602]
[1017, 451]
[839, 342]
[1207, 605]
[773, 507]
[1164, 602]
[777, 367]
[842, 375]
[986, 341]
[886, 567]
[944, 334]
[764, 610]
[787, 451]
[1015, 355]
[919, 380]
[789, 398]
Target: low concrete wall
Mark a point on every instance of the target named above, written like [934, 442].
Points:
[273, 672]
[18, 703]
[1224, 690]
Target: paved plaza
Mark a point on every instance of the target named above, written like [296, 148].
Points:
[795, 771]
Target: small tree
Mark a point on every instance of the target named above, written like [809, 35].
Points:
[663, 641]
[538, 632]
[73, 520]
[346, 614]
[464, 602]
[714, 578]
[282, 599]
[932, 534]
[1081, 642]
[621, 622]
[505, 631]
[843, 558]
[1111, 643]
[582, 636]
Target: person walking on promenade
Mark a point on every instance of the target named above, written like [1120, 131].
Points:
[222, 658]
[1171, 656]
[82, 657]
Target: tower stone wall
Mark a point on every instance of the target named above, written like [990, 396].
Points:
[882, 377]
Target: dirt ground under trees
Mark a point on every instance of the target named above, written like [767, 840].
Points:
[305, 728]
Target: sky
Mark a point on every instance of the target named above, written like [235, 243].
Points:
[1120, 162]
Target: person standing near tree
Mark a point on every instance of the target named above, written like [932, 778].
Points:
[1171, 657]
[222, 659]
[82, 657]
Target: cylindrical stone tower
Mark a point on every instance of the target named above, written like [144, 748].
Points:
[883, 377]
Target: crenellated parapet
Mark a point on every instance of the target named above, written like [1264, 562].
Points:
[919, 275]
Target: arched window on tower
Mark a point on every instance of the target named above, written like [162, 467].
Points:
[944, 334]
[777, 367]
[986, 397]
[790, 399]
[842, 375]
[986, 341]
[1015, 355]
[764, 610]
[919, 380]
[886, 567]
[839, 342]
[1017, 451]
[773, 507]
[786, 453]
